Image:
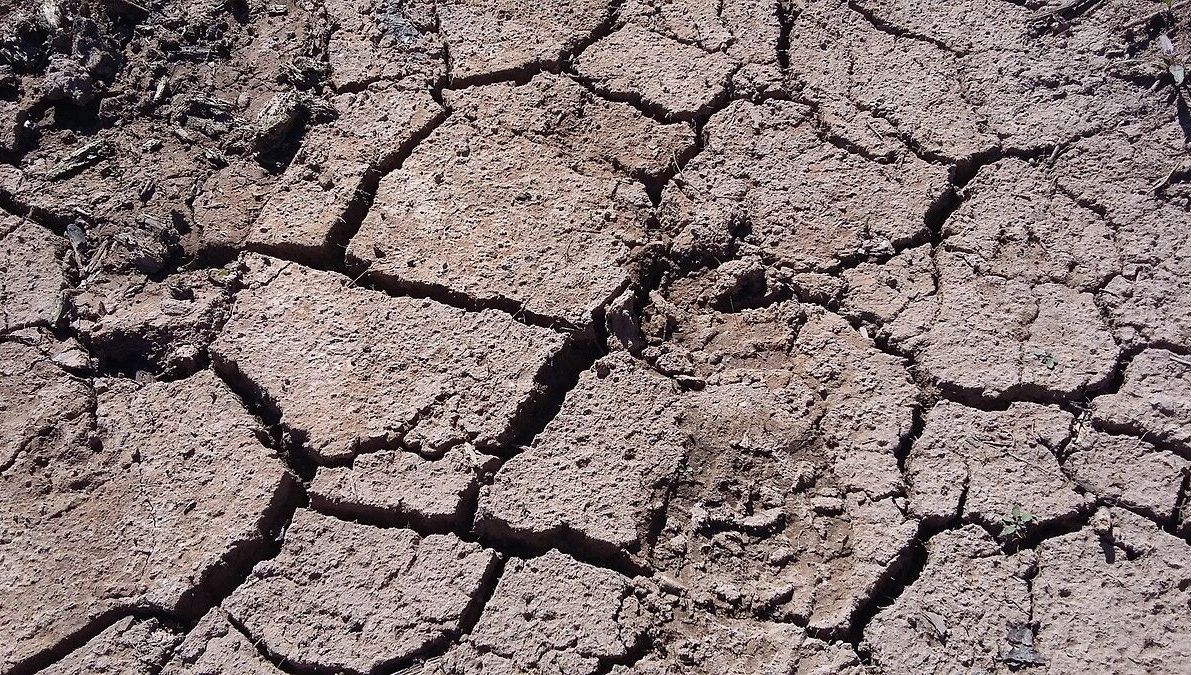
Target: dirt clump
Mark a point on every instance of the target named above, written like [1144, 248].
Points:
[377, 596]
[944, 621]
[128, 647]
[998, 469]
[624, 67]
[487, 40]
[106, 495]
[1112, 601]
[983, 336]
[33, 275]
[598, 472]
[1128, 471]
[1153, 403]
[402, 486]
[291, 319]
[513, 205]
[215, 646]
[768, 184]
[956, 83]
[550, 614]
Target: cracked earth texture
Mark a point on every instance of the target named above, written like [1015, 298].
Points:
[594, 337]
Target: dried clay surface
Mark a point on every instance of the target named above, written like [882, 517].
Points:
[595, 337]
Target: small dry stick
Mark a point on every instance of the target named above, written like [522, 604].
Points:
[1146, 19]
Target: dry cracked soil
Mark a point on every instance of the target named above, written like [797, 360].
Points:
[595, 337]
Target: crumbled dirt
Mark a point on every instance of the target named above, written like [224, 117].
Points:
[604, 337]
[138, 325]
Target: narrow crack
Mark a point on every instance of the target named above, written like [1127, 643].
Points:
[1182, 502]
[787, 13]
[278, 661]
[467, 623]
[369, 281]
[353, 218]
[287, 442]
[902, 572]
[899, 32]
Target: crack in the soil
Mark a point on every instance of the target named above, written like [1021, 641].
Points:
[467, 623]
[897, 32]
[279, 662]
[902, 572]
[353, 218]
[587, 344]
[787, 13]
[1059, 19]
[215, 584]
[1182, 502]
[79, 641]
[287, 442]
[522, 74]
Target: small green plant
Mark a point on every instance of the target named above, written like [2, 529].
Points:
[1047, 359]
[1013, 525]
